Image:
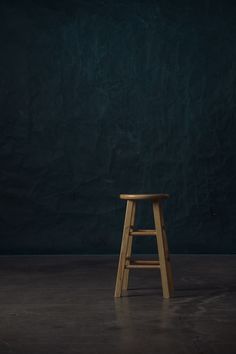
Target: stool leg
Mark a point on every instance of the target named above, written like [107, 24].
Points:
[169, 269]
[124, 246]
[129, 250]
[161, 245]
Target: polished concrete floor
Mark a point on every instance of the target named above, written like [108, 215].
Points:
[65, 304]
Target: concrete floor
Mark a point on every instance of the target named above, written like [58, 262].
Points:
[65, 304]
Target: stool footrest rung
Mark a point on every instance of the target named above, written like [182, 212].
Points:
[143, 233]
[142, 264]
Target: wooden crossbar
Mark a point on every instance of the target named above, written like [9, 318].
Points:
[141, 261]
[143, 264]
[143, 233]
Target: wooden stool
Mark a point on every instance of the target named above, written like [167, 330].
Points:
[125, 261]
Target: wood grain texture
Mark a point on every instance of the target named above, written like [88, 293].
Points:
[144, 196]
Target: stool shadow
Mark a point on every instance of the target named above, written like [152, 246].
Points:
[181, 292]
[142, 291]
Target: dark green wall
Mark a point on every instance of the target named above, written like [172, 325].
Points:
[103, 97]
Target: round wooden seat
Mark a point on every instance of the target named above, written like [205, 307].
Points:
[144, 196]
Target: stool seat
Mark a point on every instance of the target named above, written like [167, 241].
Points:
[144, 196]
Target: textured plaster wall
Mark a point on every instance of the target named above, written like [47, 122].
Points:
[99, 98]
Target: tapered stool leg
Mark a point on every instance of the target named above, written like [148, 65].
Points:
[166, 276]
[129, 250]
[124, 247]
[169, 269]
